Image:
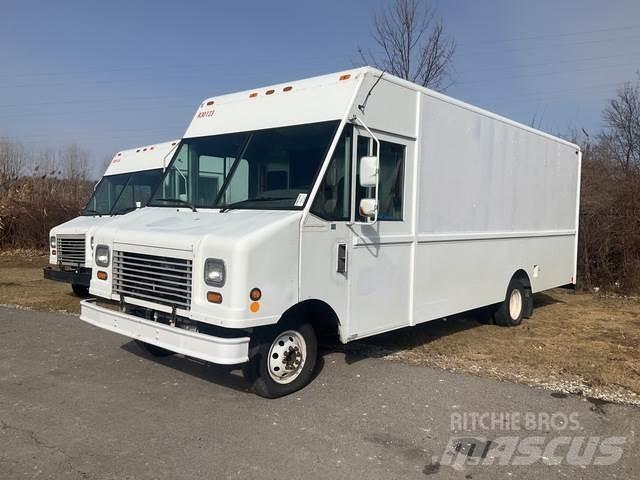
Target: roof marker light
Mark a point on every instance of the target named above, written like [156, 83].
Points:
[345, 77]
[269, 92]
[137, 150]
[253, 95]
[173, 143]
[144, 149]
[150, 148]
[287, 89]
[210, 102]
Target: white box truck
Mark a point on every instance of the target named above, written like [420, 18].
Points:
[355, 202]
[128, 181]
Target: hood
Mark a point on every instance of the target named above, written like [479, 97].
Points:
[80, 225]
[182, 229]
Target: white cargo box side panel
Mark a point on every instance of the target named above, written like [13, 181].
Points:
[494, 197]
[482, 175]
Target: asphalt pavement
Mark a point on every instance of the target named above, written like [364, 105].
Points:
[79, 402]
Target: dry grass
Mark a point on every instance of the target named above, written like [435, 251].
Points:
[573, 342]
[576, 342]
[22, 284]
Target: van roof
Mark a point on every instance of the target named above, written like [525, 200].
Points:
[146, 157]
[308, 100]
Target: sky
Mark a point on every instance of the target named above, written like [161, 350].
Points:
[118, 74]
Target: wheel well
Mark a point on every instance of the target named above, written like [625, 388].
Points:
[320, 314]
[522, 276]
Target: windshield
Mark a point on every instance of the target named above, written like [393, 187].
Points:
[118, 194]
[264, 169]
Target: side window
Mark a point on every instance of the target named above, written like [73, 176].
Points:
[333, 199]
[391, 194]
[238, 189]
[391, 181]
[211, 174]
[175, 184]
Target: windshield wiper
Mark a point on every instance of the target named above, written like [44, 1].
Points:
[122, 211]
[94, 212]
[236, 205]
[175, 200]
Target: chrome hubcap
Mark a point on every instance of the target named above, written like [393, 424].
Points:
[515, 304]
[287, 355]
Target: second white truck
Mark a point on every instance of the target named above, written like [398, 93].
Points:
[130, 179]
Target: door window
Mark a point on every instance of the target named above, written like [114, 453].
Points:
[391, 184]
[333, 199]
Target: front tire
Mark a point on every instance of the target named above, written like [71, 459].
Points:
[282, 359]
[80, 290]
[153, 350]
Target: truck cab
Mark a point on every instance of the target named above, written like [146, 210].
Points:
[127, 184]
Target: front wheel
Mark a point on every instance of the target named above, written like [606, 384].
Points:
[80, 290]
[282, 359]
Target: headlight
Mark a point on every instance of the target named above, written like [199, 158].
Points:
[214, 272]
[102, 256]
[52, 242]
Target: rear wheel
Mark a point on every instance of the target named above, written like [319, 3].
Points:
[513, 309]
[282, 359]
[80, 290]
[154, 350]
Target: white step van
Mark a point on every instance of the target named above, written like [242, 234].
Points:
[354, 202]
[130, 179]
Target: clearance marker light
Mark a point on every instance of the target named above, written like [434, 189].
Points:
[210, 102]
[345, 77]
[253, 95]
[287, 89]
[269, 92]
[255, 294]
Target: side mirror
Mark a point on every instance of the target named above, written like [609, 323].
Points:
[368, 207]
[369, 172]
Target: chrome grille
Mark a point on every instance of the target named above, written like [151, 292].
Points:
[163, 280]
[70, 249]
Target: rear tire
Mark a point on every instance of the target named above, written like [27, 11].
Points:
[282, 359]
[80, 290]
[153, 350]
[513, 309]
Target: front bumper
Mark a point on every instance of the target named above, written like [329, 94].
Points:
[225, 351]
[79, 276]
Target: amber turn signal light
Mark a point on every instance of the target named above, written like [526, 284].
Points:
[102, 275]
[214, 297]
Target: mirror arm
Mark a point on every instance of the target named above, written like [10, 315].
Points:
[357, 119]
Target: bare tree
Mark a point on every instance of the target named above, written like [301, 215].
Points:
[12, 160]
[74, 162]
[414, 44]
[622, 118]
